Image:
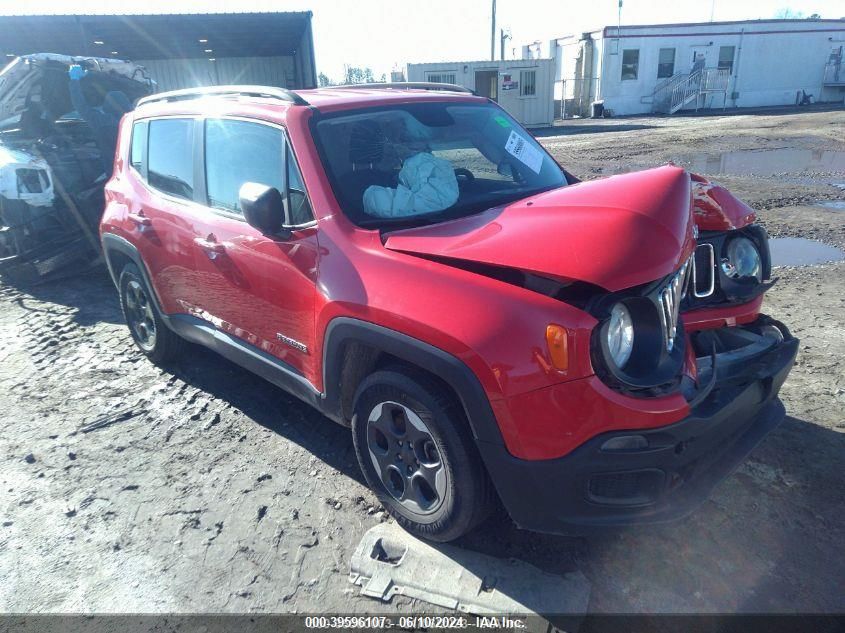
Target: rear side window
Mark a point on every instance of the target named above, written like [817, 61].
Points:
[170, 163]
[237, 152]
[139, 146]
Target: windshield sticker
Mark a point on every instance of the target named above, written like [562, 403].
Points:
[502, 121]
[524, 152]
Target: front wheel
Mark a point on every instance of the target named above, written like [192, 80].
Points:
[415, 449]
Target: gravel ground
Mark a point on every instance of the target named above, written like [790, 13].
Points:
[200, 488]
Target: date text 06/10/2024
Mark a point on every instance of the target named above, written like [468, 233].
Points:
[415, 621]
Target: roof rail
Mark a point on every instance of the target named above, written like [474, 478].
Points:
[267, 92]
[409, 85]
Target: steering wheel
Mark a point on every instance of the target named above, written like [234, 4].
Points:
[464, 176]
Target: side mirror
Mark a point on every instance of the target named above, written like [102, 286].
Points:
[263, 207]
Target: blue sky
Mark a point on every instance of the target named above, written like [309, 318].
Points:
[384, 34]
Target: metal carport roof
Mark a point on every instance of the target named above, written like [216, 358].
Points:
[172, 36]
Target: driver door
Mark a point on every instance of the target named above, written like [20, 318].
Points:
[258, 288]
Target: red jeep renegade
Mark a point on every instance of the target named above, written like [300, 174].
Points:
[411, 262]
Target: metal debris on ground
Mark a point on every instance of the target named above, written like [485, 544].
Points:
[388, 561]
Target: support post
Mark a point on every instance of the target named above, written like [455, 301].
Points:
[493, 33]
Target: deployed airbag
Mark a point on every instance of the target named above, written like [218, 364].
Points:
[426, 184]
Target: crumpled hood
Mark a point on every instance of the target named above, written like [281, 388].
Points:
[616, 233]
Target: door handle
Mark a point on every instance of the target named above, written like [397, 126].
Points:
[140, 219]
[210, 245]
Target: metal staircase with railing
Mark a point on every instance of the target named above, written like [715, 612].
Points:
[689, 90]
[834, 74]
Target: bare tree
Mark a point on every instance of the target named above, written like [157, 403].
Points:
[789, 14]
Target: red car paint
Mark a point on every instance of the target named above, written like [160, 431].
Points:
[614, 233]
[716, 208]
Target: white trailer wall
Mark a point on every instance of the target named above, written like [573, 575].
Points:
[577, 73]
[532, 110]
[772, 61]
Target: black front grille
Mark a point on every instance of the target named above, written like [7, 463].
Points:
[703, 282]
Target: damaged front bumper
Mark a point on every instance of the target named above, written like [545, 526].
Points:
[663, 473]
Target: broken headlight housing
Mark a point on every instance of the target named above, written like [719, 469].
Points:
[620, 335]
[729, 267]
[741, 259]
[639, 346]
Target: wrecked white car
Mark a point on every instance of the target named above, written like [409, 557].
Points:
[52, 171]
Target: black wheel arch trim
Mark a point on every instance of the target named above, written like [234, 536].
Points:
[115, 244]
[418, 353]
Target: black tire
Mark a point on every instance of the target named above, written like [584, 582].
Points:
[466, 496]
[142, 316]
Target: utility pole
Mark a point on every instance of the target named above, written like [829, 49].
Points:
[493, 33]
[619, 25]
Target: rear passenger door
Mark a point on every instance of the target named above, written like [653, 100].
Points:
[162, 207]
[256, 287]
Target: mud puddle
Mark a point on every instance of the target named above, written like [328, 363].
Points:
[798, 251]
[833, 205]
[769, 162]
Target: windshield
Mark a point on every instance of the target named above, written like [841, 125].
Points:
[425, 162]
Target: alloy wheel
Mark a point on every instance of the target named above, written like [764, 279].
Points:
[139, 314]
[406, 457]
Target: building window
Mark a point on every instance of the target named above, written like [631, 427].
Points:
[527, 83]
[442, 78]
[170, 159]
[726, 58]
[630, 63]
[666, 63]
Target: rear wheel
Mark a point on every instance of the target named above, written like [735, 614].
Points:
[150, 333]
[417, 454]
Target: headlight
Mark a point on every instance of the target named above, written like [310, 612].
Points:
[620, 335]
[742, 259]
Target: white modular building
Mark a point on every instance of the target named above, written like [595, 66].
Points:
[673, 67]
[522, 87]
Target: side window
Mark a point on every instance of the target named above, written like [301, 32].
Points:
[170, 162]
[630, 63]
[237, 152]
[527, 83]
[666, 63]
[138, 149]
[300, 208]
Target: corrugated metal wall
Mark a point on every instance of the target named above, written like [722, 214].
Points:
[172, 74]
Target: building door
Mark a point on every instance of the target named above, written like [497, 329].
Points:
[700, 58]
[487, 84]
